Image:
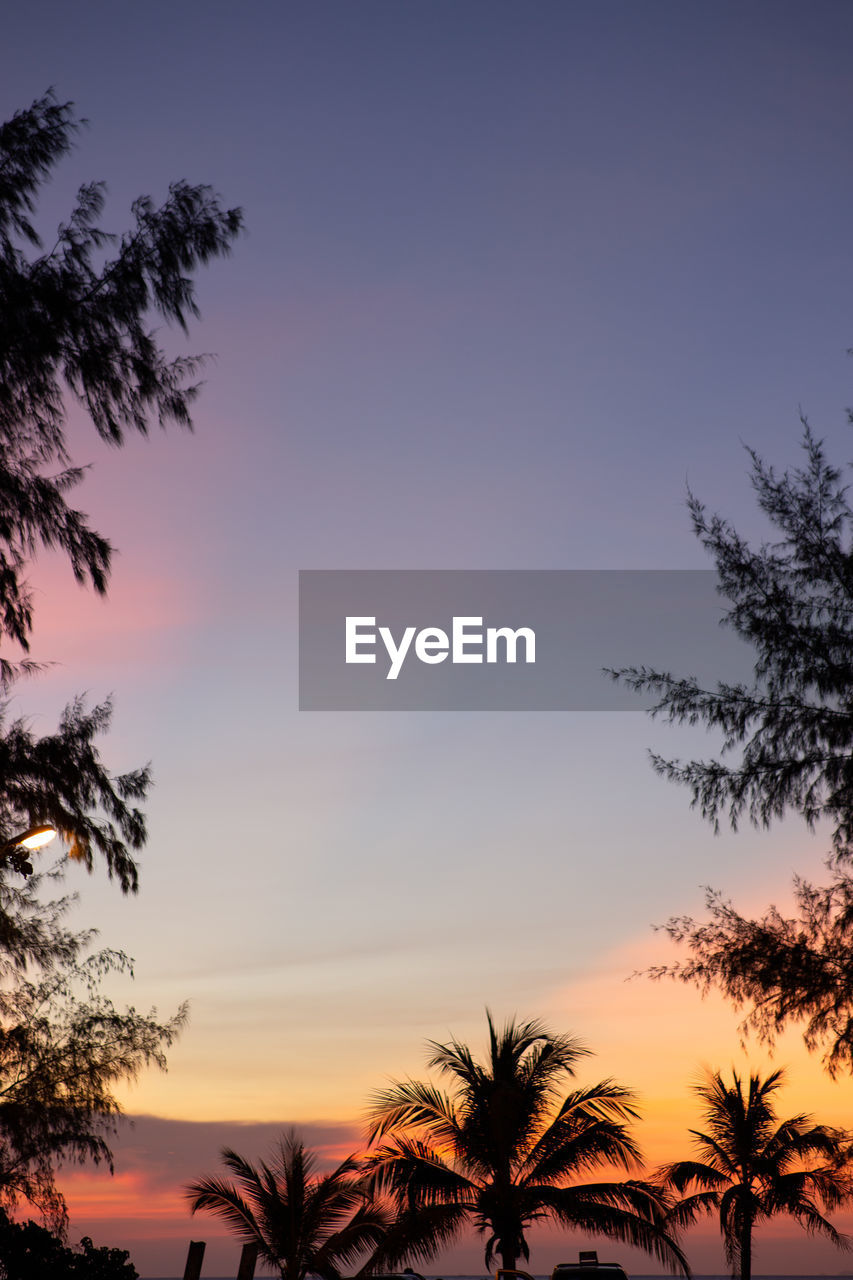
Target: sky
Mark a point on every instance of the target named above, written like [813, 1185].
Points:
[513, 276]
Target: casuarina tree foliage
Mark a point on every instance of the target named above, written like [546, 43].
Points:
[791, 730]
[76, 316]
[786, 747]
[75, 325]
[64, 1047]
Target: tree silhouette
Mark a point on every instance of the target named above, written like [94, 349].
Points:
[505, 1148]
[754, 1166]
[74, 326]
[60, 779]
[73, 322]
[792, 600]
[301, 1221]
[778, 968]
[790, 735]
[30, 1252]
[63, 1049]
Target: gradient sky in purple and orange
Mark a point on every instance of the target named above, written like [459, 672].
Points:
[513, 275]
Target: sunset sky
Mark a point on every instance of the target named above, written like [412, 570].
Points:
[513, 276]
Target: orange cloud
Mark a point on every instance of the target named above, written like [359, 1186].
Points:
[657, 1036]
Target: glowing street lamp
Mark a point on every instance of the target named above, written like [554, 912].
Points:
[35, 838]
[12, 851]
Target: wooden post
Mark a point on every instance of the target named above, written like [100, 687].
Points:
[248, 1258]
[192, 1270]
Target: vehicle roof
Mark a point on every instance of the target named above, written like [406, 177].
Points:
[589, 1270]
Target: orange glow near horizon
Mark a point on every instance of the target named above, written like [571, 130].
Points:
[653, 1037]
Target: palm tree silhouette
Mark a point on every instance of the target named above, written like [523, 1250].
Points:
[300, 1221]
[505, 1147]
[754, 1165]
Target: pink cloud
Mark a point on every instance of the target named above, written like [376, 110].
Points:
[139, 617]
[143, 1208]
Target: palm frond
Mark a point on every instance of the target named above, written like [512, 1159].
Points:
[300, 1220]
[685, 1211]
[224, 1201]
[631, 1212]
[415, 1171]
[683, 1173]
[757, 1166]
[418, 1235]
[572, 1147]
[812, 1220]
[505, 1139]
[411, 1104]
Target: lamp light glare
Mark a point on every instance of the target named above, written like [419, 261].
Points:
[38, 837]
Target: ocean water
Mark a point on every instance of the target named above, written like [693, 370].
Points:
[817, 1275]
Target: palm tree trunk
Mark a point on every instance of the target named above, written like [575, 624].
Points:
[508, 1260]
[746, 1249]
